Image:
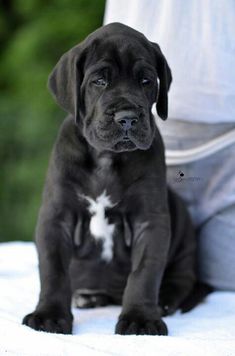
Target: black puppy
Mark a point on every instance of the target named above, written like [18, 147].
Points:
[108, 230]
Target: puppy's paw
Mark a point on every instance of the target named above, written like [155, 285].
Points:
[168, 306]
[170, 298]
[127, 325]
[45, 321]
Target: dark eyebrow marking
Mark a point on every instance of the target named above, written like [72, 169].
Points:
[141, 63]
[98, 67]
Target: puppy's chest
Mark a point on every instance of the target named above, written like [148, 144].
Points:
[103, 185]
[101, 200]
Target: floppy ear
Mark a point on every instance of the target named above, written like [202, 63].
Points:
[165, 79]
[65, 80]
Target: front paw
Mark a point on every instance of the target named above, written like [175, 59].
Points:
[130, 324]
[50, 322]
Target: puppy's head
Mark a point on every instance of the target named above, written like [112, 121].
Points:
[109, 83]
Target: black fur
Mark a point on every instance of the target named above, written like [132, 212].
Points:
[114, 72]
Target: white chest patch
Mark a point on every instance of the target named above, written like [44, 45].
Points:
[99, 226]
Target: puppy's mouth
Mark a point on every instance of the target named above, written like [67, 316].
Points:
[125, 145]
[126, 138]
[127, 141]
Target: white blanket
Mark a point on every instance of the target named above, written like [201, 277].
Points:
[207, 330]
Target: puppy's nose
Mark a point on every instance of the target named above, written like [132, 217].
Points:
[126, 119]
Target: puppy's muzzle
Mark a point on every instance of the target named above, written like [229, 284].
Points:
[127, 119]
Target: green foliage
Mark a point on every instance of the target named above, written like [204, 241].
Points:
[33, 35]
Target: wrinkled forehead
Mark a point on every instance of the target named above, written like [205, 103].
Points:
[120, 52]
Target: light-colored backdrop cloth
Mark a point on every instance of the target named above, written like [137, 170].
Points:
[208, 188]
[208, 330]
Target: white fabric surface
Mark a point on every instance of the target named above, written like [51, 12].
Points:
[197, 38]
[208, 330]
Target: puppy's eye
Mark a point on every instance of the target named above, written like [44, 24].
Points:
[145, 81]
[100, 82]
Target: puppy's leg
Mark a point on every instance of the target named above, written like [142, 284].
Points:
[141, 313]
[180, 274]
[179, 277]
[54, 245]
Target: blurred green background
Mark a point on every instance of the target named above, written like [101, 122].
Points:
[33, 35]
